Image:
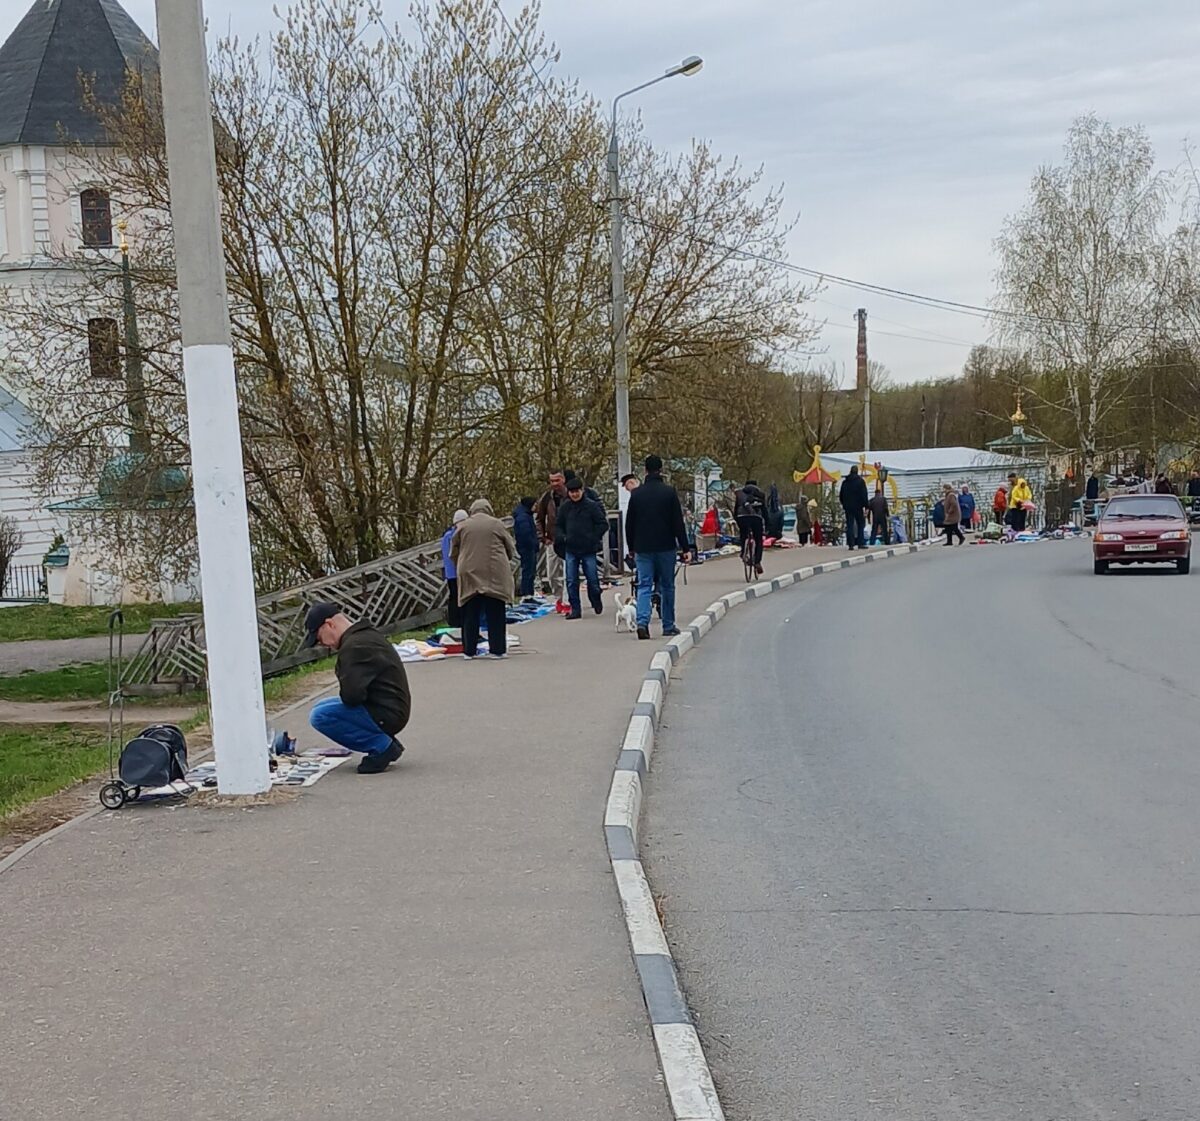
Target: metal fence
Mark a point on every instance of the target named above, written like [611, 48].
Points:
[24, 583]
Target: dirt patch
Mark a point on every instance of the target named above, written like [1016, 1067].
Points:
[88, 712]
[47, 813]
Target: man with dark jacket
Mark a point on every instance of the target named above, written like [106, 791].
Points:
[373, 701]
[545, 515]
[880, 526]
[526, 536]
[579, 532]
[654, 530]
[854, 499]
[749, 509]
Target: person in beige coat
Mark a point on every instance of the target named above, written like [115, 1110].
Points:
[483, 550]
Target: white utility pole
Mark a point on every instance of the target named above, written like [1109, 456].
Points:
[689, 66]
[227, 584]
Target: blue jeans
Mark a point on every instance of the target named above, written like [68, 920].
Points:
[528, 569]
[350, 727]
[588, 564]
[656, 568]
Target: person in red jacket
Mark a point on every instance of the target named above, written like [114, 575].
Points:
[1000, 503]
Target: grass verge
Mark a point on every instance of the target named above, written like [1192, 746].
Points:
[51, 620]
[41, 759]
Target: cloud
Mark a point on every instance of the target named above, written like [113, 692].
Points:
[904, 133]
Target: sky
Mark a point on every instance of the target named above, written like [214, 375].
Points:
[902, 133]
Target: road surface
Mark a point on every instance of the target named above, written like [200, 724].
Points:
[928, 843]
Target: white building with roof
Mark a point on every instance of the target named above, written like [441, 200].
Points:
[56, 212]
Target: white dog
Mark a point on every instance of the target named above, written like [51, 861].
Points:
[626, 613]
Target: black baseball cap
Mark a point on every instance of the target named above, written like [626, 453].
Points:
[319, 614]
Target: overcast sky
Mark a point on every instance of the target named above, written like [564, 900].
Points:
[902, 132]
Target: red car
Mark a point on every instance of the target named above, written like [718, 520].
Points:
[1142, 529]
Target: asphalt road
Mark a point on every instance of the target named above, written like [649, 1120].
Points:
[927, 841]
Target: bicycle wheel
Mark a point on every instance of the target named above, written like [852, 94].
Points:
[748, 560]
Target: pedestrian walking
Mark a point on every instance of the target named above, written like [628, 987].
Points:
[880, 514]
[966, 504]
[1193, 485]
[373, 702]
[854, 499]
[526, 537]
[483, 551]
[803, 520]
[579, 531]
[545, 515]
[453, 611]
[1092, 489]
[655, 531]
[952, 515]
[1163, 485]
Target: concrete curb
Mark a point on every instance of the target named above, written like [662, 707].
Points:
[689, 1082]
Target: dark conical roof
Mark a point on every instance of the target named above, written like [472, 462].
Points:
[41, 98]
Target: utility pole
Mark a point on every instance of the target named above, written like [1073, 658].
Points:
[235, 695]
[864, 381]
[922, 420]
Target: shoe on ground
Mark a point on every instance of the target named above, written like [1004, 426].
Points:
[394, 751]
[758, 570]
[670, 632]
[643, 632]
[598, 608]
[375, 763]
[573, 615]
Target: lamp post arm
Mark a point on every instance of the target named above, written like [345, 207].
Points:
[635, 89]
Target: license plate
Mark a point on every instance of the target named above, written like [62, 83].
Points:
[1147, 548]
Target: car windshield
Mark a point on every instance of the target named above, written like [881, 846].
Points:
[1145, 506]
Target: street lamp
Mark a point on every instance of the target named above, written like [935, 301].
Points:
[689, 66]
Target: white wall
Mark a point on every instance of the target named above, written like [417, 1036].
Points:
[19, 500]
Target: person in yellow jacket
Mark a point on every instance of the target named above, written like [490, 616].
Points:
[1019, 493]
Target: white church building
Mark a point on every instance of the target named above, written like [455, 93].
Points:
[56, 213]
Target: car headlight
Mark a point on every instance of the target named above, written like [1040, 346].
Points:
[1174, 535]
[1108, 537]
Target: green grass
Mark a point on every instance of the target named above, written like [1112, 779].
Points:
[86, 681]
[50, 620]
[40, 760]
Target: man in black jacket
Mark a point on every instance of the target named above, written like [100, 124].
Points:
[654, 530]
[854, 499]
[373, 702]
[579, 531]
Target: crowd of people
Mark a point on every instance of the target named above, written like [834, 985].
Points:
[478, 552]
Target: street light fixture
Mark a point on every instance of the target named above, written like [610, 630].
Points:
[689, 66]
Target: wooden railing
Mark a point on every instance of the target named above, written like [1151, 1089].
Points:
[395, 593]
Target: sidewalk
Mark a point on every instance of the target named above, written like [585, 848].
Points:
[53, 653]
[440, 942]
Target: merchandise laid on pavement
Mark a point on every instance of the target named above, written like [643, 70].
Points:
[477, 964]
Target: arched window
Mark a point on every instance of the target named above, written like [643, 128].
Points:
[104, 348]
[95, 208]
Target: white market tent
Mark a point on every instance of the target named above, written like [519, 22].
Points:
[918, 472]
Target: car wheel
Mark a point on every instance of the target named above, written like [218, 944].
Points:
[1183, 566]
[1100, 567]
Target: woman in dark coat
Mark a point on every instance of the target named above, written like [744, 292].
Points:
[526, 536]
[951, 515]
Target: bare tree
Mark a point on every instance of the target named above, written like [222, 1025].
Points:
[1080, 283]
[11, 540]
